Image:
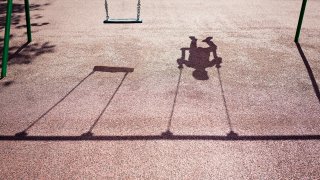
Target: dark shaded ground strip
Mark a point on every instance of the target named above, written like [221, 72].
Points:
[164, 137]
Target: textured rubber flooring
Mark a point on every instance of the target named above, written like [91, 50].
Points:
[136, 117]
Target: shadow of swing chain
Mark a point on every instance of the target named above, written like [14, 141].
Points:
[89, 133]
[231, 134]
[24, 132]
[95, 69]
[168, 132]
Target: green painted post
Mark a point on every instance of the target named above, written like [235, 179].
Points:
[6, 40]
[303, 7]
[27, 9]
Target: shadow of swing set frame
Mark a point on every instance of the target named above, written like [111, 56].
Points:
[5, 55]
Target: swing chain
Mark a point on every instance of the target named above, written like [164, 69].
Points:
[107, 11]
[138, 9]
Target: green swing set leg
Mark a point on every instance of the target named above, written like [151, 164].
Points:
[303, 8]
[27, 10]
[6, 40]
[5, 55]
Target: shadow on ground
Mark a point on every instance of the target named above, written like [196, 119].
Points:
[18, 16]
[310, 72]
[25, 53]
[164, 137]
[199, 58]
[193, 62]
[124, 70]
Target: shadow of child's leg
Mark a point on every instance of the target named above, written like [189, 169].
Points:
[185, 62]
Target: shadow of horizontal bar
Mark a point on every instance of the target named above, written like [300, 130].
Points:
[163, 137]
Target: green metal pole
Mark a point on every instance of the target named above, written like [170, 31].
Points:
[6, 40]
[303, 7]
[27, 9]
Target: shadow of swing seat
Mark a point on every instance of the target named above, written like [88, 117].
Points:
[112, 69]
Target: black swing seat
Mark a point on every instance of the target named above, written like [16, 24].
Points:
[129, 20]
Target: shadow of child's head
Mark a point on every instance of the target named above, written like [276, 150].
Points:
[200, 74]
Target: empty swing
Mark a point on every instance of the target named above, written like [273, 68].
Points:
[130, 20]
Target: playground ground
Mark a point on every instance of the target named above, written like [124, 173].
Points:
[270, 96]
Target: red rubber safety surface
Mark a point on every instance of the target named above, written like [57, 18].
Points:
[95, 100]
